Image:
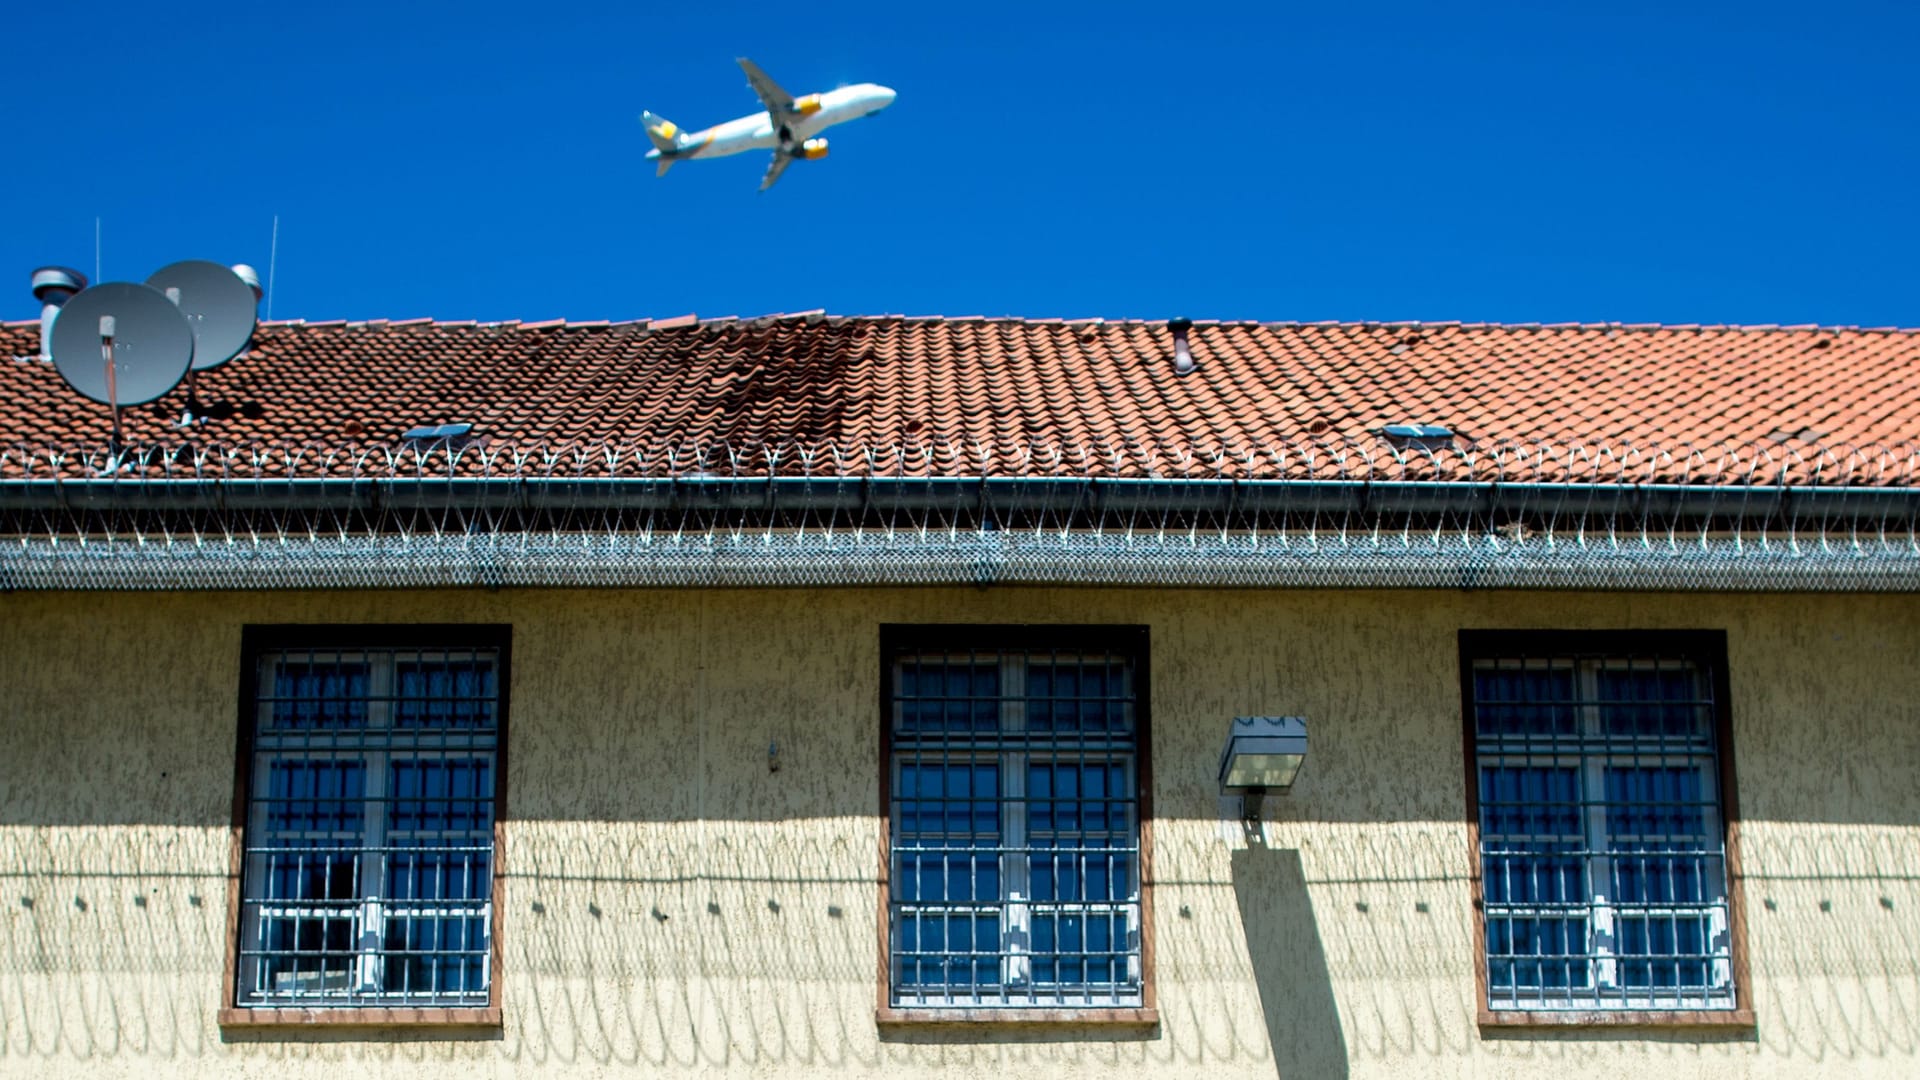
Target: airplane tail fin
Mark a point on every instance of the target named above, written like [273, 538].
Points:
[663, 132]
[665, 164]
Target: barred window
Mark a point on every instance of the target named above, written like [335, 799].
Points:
[1598, 775]
[371, 790]
[1014, 814]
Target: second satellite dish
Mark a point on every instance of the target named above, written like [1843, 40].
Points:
[152, 343]
[218, 305]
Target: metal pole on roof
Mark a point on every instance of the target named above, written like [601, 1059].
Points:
[273, 259]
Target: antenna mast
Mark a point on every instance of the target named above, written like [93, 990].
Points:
[273, 259]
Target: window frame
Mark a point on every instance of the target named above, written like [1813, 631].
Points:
[259, 639]
[1708, 650]
[1130, 641]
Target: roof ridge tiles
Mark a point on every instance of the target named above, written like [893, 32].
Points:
[1354, 325]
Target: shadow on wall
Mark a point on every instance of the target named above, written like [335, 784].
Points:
[750, 948]
[1289, 964]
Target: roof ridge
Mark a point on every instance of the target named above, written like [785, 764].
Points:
[1051, 320]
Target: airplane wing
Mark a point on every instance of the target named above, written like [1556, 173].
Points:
[779, 103]
[780, 160]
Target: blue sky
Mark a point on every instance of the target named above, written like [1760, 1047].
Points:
[1527, 162]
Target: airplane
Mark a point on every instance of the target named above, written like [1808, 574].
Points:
[789, 127]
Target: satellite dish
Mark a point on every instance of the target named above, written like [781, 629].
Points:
[218, 305]
[149, 340]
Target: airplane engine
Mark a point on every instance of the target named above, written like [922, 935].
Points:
[812, 150]
[808, 105]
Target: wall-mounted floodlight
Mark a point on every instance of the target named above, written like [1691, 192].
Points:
[1263, 754]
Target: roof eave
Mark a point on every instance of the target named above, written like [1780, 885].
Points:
[983, 495]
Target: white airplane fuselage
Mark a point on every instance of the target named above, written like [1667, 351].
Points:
[756, 132]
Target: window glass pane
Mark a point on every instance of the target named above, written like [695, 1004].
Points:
[454, 692]
[441, 795]
[440, 830]
[1531, 699]
[1087, 870]
[928, 874]
[1530, 801]
[1666, 952]
[1657, 874]
[1657, 828]
[320, 694]
[323, 795]
[1657, 800]
[950, 798]
[948, 833]
[310, 847]
[1652, 700]
[1533, 874]
[949, 952]
[940, 696]
[1089, 796]
[1537, 953]
[434, 955]
[1082, 696]
[1079, 949]
[310, 952]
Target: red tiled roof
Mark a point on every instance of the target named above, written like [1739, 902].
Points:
[888, 382]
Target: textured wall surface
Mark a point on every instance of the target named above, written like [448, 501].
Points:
[671, 908]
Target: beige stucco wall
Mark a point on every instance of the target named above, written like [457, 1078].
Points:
[673, 909]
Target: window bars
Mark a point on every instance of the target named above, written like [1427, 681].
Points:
[1014, 813]
[369, 829]
[1603, 855]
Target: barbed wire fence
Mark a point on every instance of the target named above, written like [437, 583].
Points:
[1322, 513]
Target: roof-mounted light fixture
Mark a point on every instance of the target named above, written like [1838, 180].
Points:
[1262, 755]
[1182, 354]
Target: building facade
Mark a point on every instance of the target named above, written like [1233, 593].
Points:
[409, 761]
